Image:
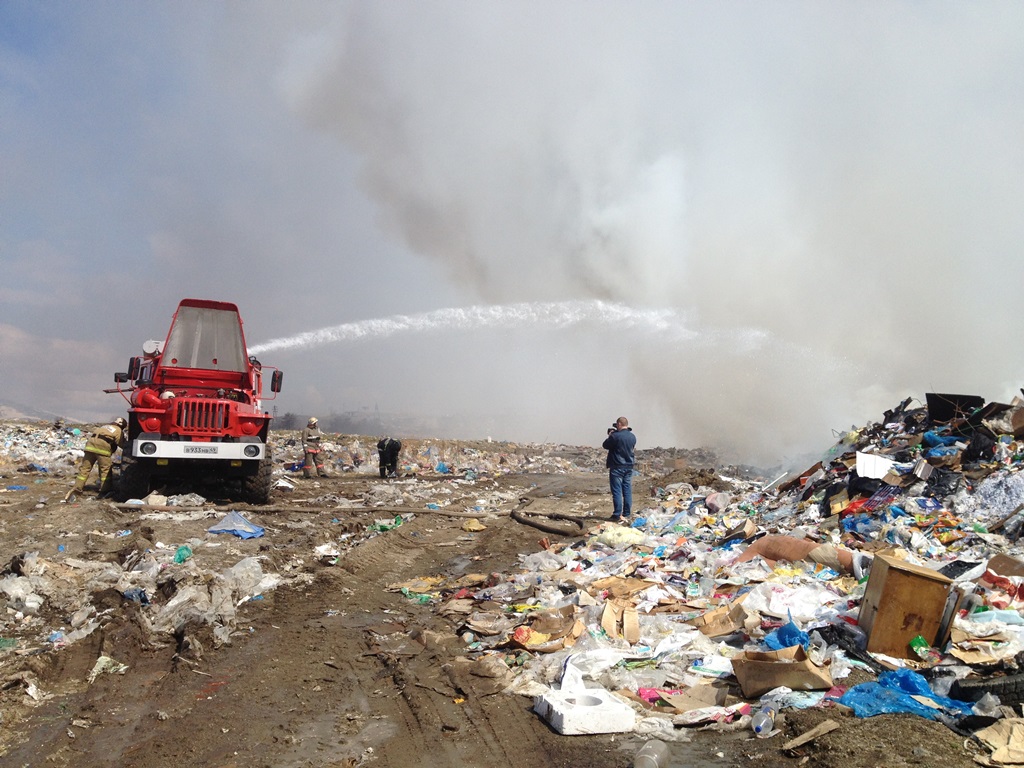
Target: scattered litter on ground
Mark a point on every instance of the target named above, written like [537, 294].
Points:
[885, 577]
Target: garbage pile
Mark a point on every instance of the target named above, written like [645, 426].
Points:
[419, 457]
[886, 577]
[39, 448]
[177, 592]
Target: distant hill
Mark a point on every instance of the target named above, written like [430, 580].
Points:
[10, 411]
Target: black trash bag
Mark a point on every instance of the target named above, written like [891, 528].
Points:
[981, 448]
[897, 412]
[942, 483]
[862, 486]
[813, 488]
[1012, 528]
[845, 637]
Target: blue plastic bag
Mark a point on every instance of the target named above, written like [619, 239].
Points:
[894, 692]
[932, 439]
[787, 636]
[234, 523]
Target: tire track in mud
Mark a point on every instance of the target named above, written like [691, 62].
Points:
[428, 718]
[448, 727]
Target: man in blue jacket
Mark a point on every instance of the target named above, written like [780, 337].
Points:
[621, 447]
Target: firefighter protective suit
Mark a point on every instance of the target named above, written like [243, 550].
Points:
[313, 463]
[387, 453]
[99, 450]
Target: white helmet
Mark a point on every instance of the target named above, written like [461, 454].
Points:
[312, 420]
[121, 422]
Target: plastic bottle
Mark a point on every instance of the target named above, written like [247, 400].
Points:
[763, 723]
[653, 754]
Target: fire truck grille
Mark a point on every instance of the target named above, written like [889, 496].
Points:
[201, 417]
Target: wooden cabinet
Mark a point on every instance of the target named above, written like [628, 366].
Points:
[901, 602]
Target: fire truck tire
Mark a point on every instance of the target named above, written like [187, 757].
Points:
[256, 489]
[132, 481]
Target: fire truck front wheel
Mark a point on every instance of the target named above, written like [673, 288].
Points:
[133, 480]
[256, 489]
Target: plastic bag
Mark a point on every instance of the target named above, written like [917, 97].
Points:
[894, 692]
[619, 537]
[786, 636]
[235, 524]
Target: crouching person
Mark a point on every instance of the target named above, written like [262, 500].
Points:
[99, 452]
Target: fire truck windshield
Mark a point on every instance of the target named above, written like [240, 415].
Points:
[209, 339]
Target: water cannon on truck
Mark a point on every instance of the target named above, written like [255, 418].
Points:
[195, 408]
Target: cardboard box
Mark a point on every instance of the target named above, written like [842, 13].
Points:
[902, 601]
[760, 671]
[723, 620]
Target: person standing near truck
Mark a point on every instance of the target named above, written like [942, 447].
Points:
[387, 452]
[621, 447]
[311, 437]
[99, 451]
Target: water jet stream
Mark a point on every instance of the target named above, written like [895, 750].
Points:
[562, 314]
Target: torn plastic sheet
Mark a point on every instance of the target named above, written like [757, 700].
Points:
[899, 691]
[235, 524]
[803, 604]
[590, 664]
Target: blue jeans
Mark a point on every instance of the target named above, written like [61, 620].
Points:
[621, 479]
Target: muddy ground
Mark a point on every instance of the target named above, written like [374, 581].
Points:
[332, 668]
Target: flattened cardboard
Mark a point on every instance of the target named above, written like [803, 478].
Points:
[616, 586]
[744, 530]
[696, 697]
[760, 671]
[873, 466]
[723, 620]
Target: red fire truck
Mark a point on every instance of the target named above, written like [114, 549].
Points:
[195, 411]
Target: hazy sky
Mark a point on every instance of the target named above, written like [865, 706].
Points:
[737, 224]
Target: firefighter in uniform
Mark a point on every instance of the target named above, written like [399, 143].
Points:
[99, 450]
[311, 437]
[387, 452]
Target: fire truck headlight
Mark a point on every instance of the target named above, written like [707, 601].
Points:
[147, 448]
[252, 451]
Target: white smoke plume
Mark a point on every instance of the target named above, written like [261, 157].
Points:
[746, 169]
